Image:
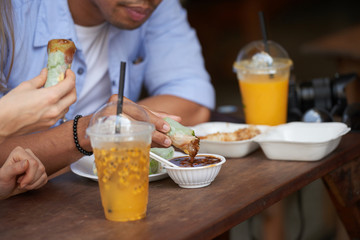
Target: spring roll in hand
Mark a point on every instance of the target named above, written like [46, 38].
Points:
[60, 56]
[183, 137]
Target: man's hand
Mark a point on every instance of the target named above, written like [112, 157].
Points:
[190, 112]
[159, 137]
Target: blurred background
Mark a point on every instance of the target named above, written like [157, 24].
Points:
[225, 26]
[322, 37]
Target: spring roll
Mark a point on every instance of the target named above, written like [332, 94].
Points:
[60, 56]
[166, 153]
[183, 137]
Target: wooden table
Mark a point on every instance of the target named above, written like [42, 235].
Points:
[69, 206]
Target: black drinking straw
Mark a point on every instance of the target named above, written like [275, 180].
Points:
[263, 31]
[264, 35]
[120, 95]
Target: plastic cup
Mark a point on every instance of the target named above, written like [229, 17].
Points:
[122, 162]
[263, 82]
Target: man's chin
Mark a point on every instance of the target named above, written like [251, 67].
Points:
[128, 26]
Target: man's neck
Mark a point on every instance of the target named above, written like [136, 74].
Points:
[85, 13]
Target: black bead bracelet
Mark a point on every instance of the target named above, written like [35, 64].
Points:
[83, 151]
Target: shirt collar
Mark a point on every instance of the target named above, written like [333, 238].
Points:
[54, 22]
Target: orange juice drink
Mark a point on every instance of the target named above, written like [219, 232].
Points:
[263, 73]
[123, 175]
[264, 92]
[265, 96]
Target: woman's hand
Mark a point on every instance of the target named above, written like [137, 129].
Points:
[30, 107]
[21, 172]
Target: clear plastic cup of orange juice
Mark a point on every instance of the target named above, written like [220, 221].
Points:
[263, 74]
[122, 153]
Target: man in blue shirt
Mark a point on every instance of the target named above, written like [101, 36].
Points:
[152, 36]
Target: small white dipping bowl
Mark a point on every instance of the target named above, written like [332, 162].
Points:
[196, 177]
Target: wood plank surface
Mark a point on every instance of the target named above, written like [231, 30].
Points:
[69, 206]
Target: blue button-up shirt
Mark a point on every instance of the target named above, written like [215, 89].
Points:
[163, 55]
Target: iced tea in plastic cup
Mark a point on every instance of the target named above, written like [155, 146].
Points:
[122, 163]
[264, 82]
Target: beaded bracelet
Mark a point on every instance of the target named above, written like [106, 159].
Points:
[83, 151]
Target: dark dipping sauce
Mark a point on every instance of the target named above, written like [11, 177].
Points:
[198, 161]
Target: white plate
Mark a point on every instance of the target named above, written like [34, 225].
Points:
[232, 149]
[84, 168]
[301, 141]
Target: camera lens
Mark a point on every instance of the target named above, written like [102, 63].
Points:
[327, 94]
[316, 93]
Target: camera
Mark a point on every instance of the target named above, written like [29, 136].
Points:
[319, 100]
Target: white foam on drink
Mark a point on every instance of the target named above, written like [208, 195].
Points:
[261, 60]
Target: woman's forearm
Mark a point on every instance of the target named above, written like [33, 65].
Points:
[54, 147]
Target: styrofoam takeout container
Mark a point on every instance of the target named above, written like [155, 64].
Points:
[301, 141]
[233, 149]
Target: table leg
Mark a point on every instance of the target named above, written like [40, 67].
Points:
[343, 185]
[273, 222]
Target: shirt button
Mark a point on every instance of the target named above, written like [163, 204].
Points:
[80, 71]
